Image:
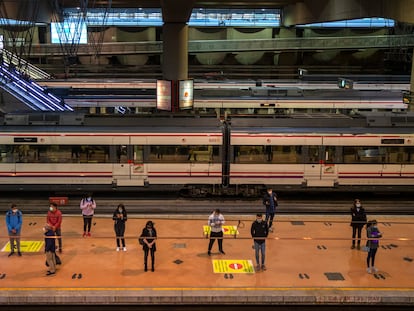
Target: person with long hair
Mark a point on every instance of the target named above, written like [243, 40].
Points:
[88, 206]
[120, 217]
[147, 239]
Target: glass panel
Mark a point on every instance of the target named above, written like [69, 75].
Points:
[183, 154]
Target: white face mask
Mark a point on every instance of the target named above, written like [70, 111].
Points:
[14, 210]
[89, 199]
[358, 205]
[259, 220]
[51, 209]
[120, 210]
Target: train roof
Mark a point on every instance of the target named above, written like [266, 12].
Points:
[74, 122]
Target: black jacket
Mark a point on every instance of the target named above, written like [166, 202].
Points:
[147, 236]
[259, 230]
[359, 217]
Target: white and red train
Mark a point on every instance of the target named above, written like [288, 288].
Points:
[203, 156]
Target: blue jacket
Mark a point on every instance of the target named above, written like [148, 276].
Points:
[14, 221]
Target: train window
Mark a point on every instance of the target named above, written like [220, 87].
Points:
[267, 154]
[184, 154]
[54, 154]
[313, 154]
[138, 154]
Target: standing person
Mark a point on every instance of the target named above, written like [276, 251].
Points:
[373, 235]
[54, 220]
[259, 232]
[270, 202]
[216, 222]
[147, 240]
[14, 220]
[120, 217]
[87, 206]
[359, 219]
[50, 249]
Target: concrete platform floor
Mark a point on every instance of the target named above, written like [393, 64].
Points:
[308, 260]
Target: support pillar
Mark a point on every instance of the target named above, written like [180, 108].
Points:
[175, 51]
[175, 57]
[411, 104]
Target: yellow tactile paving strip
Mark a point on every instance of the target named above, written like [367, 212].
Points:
[301, 253]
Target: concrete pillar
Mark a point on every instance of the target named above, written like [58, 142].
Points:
[175, 51]
[411, 105]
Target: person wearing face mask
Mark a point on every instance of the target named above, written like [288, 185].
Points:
[14, 220]
[358, 221]
[120, 217]
[373, 235]
[147, 240]
[270, 202]
[259, 232]
[216, 222]
[87, 205]
[54, 220]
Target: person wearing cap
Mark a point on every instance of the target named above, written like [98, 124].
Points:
[14, 220]
[259, 232]
[54, 220]
[147, 239]
[50, 249]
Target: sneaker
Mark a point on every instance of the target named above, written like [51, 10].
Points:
[369, 270]
[353, 246]
[50, 273]
[222, 252]
[359, 247]
[124, 249]
[84, 234]
[19, 254]
[11, 254]
[89, 234]
[263, 267]
[258, 268]
[375, 270]
[208, 253]
[117, 249]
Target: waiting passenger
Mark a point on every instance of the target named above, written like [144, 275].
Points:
[359, 219]
[120, 217]
[147, 240]
[373, 235]
[270, 202]
[14, 220]
[87, 205]
[54, 220]
[259, 232]
[50, 249]
[216, 222]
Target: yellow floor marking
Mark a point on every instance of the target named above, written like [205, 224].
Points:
[26, 246]
[233, 266]
[227, 230]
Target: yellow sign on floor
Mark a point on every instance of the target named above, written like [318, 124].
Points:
[228, 230]
[233, 266]
[26, 246]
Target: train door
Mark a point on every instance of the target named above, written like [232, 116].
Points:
[127, 165]
[320, 170]
[329, 173]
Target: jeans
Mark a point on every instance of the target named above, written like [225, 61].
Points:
[260, 248]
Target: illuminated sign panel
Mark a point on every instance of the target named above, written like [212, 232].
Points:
[185, 94]
[164, 95]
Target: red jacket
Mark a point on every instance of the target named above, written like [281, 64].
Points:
[54, 219]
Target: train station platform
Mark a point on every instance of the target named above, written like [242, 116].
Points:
[309, 261]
